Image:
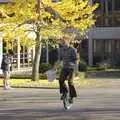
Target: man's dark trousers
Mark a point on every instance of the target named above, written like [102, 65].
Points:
[67, 74]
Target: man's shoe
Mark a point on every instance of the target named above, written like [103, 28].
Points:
[7, 88]
[71, 100]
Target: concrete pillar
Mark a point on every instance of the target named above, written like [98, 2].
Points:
[90, 52]
[18, 53]
[33, 53]
[90, 45]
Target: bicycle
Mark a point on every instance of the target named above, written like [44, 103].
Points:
[66, 102]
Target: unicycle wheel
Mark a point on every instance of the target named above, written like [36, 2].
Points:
[66, 103]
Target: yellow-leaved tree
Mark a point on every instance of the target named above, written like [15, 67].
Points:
[46, 18]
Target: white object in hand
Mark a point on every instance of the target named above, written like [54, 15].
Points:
[51, 75]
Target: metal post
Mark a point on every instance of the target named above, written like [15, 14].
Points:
[47, 53]
[90, 52]
[1, 52]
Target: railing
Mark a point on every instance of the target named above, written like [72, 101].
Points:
[25, 60]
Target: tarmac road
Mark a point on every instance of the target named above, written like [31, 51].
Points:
[44, 104]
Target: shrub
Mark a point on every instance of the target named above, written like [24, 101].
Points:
[105, 64]
[117, 61]
[95, 68]
[97, 60]
[82, 66]
[44, 67]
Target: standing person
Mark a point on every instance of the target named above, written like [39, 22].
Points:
[5, 66]
[68, 55]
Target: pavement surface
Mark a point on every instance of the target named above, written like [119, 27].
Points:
[44, 104]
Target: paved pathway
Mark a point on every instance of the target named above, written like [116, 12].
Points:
[44, 104]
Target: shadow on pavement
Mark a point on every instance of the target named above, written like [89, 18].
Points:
[50, 114]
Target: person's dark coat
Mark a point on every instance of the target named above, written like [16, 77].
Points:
[5, 66]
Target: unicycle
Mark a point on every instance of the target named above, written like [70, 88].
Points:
[67, 105]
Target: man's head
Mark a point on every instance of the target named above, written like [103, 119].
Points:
[66, 41]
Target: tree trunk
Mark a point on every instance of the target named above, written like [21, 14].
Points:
[36, 62]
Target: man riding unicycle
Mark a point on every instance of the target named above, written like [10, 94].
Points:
[68, 55]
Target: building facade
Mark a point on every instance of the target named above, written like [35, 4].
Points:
[103, 42]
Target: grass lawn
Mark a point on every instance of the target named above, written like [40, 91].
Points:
[79, 82]
[44, 83]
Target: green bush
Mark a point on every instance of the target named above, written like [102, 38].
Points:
[82, 66]
[105, 64]
[117, 61]
[44, 67]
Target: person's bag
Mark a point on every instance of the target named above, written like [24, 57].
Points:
[10, 66]
[51, 75]
[2, 65]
